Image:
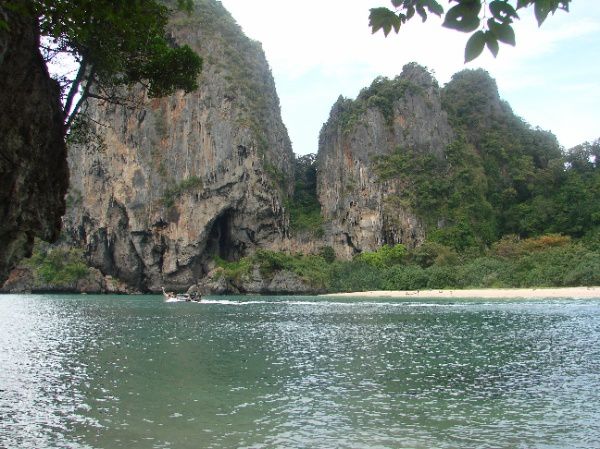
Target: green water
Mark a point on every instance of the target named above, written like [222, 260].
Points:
[299, 372]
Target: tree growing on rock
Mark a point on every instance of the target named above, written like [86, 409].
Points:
[114, 43]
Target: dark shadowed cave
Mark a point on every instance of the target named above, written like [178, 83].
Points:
[221, 241]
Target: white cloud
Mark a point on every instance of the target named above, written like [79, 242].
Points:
[320, 49]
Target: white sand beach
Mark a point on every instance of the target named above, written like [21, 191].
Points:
[487, 293]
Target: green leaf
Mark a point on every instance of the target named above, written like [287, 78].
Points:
[475, 45]
[503, 11]
[185, 5]
[503, 32]
[542, 8]
[384, 18]
[524, 3]
[434, 7]
[491, 43]
[421, 11]
[397, 3]
[463, 17]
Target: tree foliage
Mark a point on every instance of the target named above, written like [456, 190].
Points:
[304, 207]
[386, 256]
[489, 22]
[57, 265]
[498, 177]
[115, 43]
[545, 261]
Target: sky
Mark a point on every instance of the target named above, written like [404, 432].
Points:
[321, 49]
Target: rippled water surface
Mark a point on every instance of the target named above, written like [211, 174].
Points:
[300, 372]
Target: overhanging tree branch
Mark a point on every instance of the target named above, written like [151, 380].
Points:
[84, 96]
[74, 90]
[117, 45]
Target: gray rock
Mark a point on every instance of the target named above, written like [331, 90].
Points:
[22, 279]
[354, 202]
[193, 290]
[288, 282]
[253, 282]
[189, 177]
[214, 283]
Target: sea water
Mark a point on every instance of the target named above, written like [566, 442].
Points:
[298, 372]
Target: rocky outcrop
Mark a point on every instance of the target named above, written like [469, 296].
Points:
[33, 167]
[400, 114]
[279, 282]
[23, 280]
[183, 179]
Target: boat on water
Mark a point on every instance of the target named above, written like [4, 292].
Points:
[180, 297]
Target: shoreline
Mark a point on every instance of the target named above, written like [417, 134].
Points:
[485, 293]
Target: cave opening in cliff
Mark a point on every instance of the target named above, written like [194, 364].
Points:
[220, 241]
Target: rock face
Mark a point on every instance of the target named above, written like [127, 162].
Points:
[404, 113]
[33, 167]
[23, 280]
[254, 282]
[185, 178]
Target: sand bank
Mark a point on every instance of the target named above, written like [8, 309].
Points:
[487, 293]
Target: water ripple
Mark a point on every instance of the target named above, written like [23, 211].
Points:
[249, 372]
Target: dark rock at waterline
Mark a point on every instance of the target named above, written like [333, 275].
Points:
[22, 279]
[282, 282]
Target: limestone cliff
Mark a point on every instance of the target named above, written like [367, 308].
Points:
[401, 114]
[33, 168]
[189, 177]
[407, 161]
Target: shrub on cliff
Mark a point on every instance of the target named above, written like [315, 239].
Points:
[386, 256]
[234, 270]
[312, 269]
[304, 208]
[57, 266]
[433, 253]
[115, 44]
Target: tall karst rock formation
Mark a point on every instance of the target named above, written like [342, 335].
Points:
[407, 161]
[189, 177]
[357, 206]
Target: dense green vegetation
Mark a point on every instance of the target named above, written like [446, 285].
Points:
[547, 261]
[499, 176]
[448, 194]
[533, 186]
[304, 208]
[56, 265]
[115, 44]
[381, 94]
